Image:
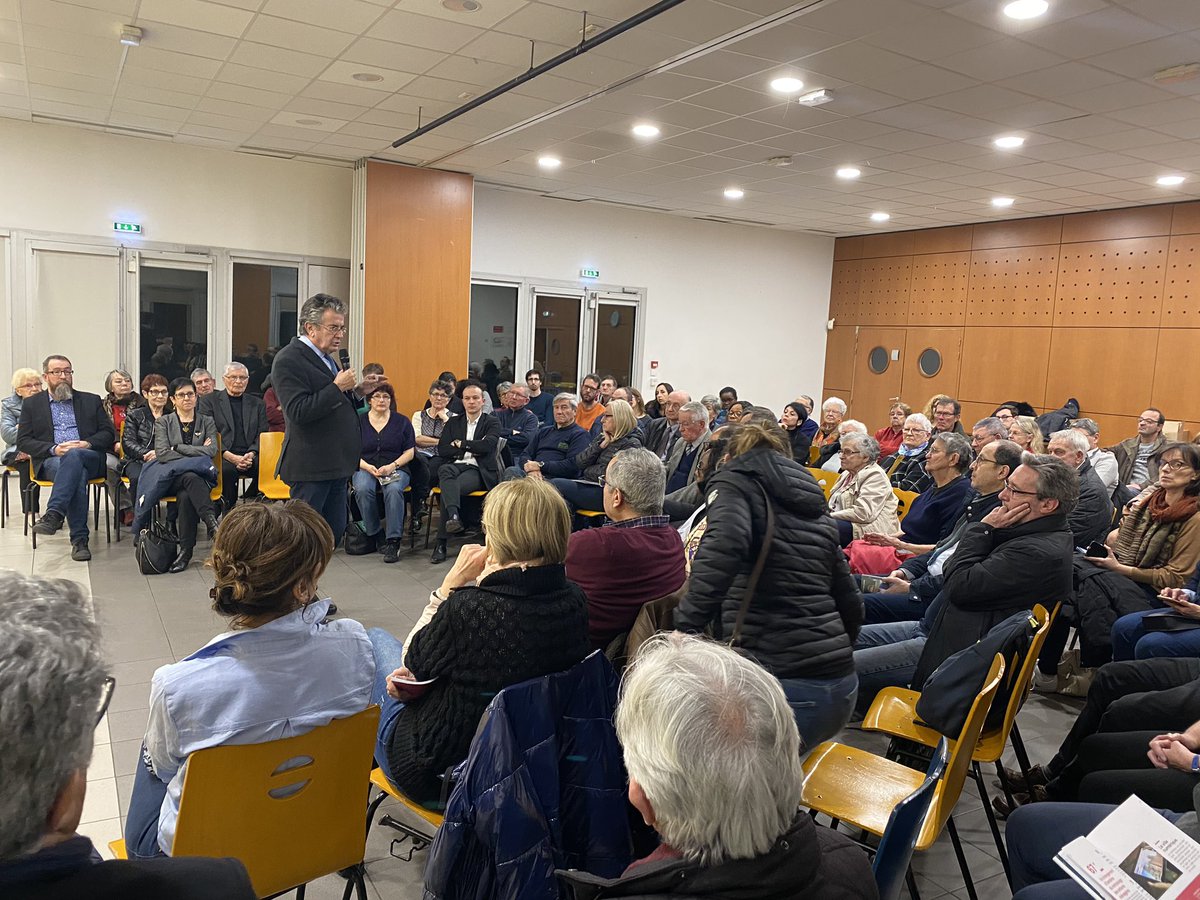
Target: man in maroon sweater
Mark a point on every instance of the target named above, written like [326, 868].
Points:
[635, 558]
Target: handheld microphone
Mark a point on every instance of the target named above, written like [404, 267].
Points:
[344, 358]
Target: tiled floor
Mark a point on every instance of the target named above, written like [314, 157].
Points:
[149, 621]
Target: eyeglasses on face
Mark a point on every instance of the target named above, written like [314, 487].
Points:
[334, 329]
[1142, 420]
[106, 693]
[159, 392]
[914, 430]
[236, 377]
[59, 373]
[1008, 486]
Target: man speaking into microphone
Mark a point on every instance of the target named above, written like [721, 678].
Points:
[321, 446]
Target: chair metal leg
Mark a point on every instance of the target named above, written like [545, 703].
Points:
[372, 808]
[912, 884]
[300, 892]
[991, 817]
[429, 515]
[4, 500]
[1018, 746]
[962, 859]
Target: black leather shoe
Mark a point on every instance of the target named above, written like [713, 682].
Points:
[182, 561]
[454, 525]
[210, 522]
[391, 551]
[417, 517]
[80, 551]
[49, 523]
[439, 552]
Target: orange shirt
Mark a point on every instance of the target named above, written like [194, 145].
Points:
[586, 418]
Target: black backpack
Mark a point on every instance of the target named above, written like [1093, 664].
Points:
[953, 686]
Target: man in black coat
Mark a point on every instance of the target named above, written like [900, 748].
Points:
[1092, 517]
[322, 445]
[67, 434]
[240, 418]
[468, 461]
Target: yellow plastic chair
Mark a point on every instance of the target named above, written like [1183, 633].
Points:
[270, 448]
[4, 513]
[825, 479]
[97, 485]
[420, 839]
[435, 501]
[894, 712]
[858, 787]
[814, 453]
[904, 502]
[288, 826]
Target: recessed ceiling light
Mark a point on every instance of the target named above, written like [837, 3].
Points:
[309, 122]
[1171, 180]
[646, 130]
[1009, 141]
[734, 193]
[1026, 9]
[462, 5]
[786, 85]
[1003, 201]
[880, 216]
[131, 35]
[367, 76]
[848, 172]
[549, 162]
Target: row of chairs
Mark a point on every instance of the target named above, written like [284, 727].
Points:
[904, 499]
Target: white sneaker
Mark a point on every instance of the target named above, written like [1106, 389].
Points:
[1044, 684]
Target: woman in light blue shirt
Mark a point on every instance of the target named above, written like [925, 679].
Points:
[280, 672]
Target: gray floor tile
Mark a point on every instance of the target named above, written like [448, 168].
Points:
[126, 755]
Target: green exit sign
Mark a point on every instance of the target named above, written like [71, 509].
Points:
[127, 227]
[589, 273]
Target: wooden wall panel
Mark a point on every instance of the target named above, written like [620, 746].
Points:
[942, 240]
[844, 291]
[973, 411]
[1114, 429]
[1181, 293]
[938, 295]
[1012, 286]
[839, 358]
[1111, 284]
[884, 290]
[1116, 224]
[1104, 371]
[894, 243]
[1017, 233]
[418, 275]
[916, 388]
[873, 393]
[848, 248]
[1176, 376]
[1004, 364]
[1186, 218]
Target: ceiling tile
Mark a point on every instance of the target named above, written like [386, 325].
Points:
[352, 16]
[1178, 15]
[1096, 32]
[260, 56]
[186, 40]
[921, 81]
[298, 36]
[196, 15]
[252, 96]
[150, 59]
[423, 31]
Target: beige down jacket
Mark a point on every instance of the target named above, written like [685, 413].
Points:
[866, 500]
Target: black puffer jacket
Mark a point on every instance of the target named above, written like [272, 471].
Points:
[806, 612]
[593, 462]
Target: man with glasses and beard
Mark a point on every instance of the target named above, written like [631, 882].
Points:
[66, 433]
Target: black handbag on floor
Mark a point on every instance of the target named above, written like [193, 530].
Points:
[358, 542]
[156, 549]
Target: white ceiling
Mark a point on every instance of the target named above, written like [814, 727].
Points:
[920, 89]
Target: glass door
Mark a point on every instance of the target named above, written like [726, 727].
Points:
[557, 325]
[615, 331]
[174, 315]
[264, 314]
[492, 345]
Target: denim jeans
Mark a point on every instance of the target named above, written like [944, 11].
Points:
[141, 819]
[366, 493]
[389, 654]
[1131, 640]
[70, 473]
[886, 655]
[821, 705]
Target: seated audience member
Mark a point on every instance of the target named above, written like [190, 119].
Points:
[727, 396]
[712, 404]
[502, 390]
[947, 416]
[428, 424]
[829, 457]
[388, 447]
[552, 452]
[1006, 412]
[540, 402]
[792, 421]
[66, 433]
[1026, 433]
[1133, 639]
[275, 420]
[204, 381]
[179, 434]
[931, 516]
[120, 397]
[688, 506]
[986, 431]
[862, 500]
[455, 405]
[590, 408]
[833, 410]
[889, 437]
[1104, 463]
[1138, 457]
[1092, 516]
[805, 612]
[906, 467]
[737, 409]
[639, 405]
[714, 768]
[51, 687]
[281, 670]
[517, 424]
[372, 374]
[240, 418]
[656, 408]
[810, 425]
[1156, 546]
[608, 384]
[504, 613]
[137, 438]
[25, 383]
[598, 559]
[467, 461]
[620, 433]
[693, 435]
[661, 435]
[473, 375]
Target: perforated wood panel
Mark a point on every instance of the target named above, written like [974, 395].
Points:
[843, 291]
[1111, 284]
[873, 392]
[916, 388]
[1176, 377]
[883, 290]
[1181, 293]
[1108, 372]
[1012, 286]
[839, 358]
[1004, 364]
[938, 295]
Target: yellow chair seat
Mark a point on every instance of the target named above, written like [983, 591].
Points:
[589, 513]
[894, 712]
[380, 781]
[825, 479]
[118, 849]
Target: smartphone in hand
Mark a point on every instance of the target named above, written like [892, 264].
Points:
[1096, 549]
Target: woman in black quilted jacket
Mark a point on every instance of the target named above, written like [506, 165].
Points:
[805, 612]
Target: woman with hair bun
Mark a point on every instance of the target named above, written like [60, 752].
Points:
[281, 670]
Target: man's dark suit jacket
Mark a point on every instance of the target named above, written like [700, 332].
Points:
[321, 427]
[254, 417]
[35, 434]
[483, 447]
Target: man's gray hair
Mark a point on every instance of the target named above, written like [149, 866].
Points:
[567, 396]
[837, 403]
[230, 368]
[1073, 439]
[1055, 479]
[709, 737]
[197, 373]
[919, 419]
[992, 426]
[1088, 426]
[314, 308]
[953, 442]
[51, 675]
[639, 475]
[697, 409]
[857, 442]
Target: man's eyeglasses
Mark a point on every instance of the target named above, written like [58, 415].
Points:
[604, 482]
[1008, 486]
[238, 377]
[334, 329]
[59, 373]
[106, 693]
[1140, 421]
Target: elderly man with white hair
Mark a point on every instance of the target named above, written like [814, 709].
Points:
[51, 687]
[240, 419]
[1092, 516]
[713, 757]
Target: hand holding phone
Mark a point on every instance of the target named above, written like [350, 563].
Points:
[1096, 549]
